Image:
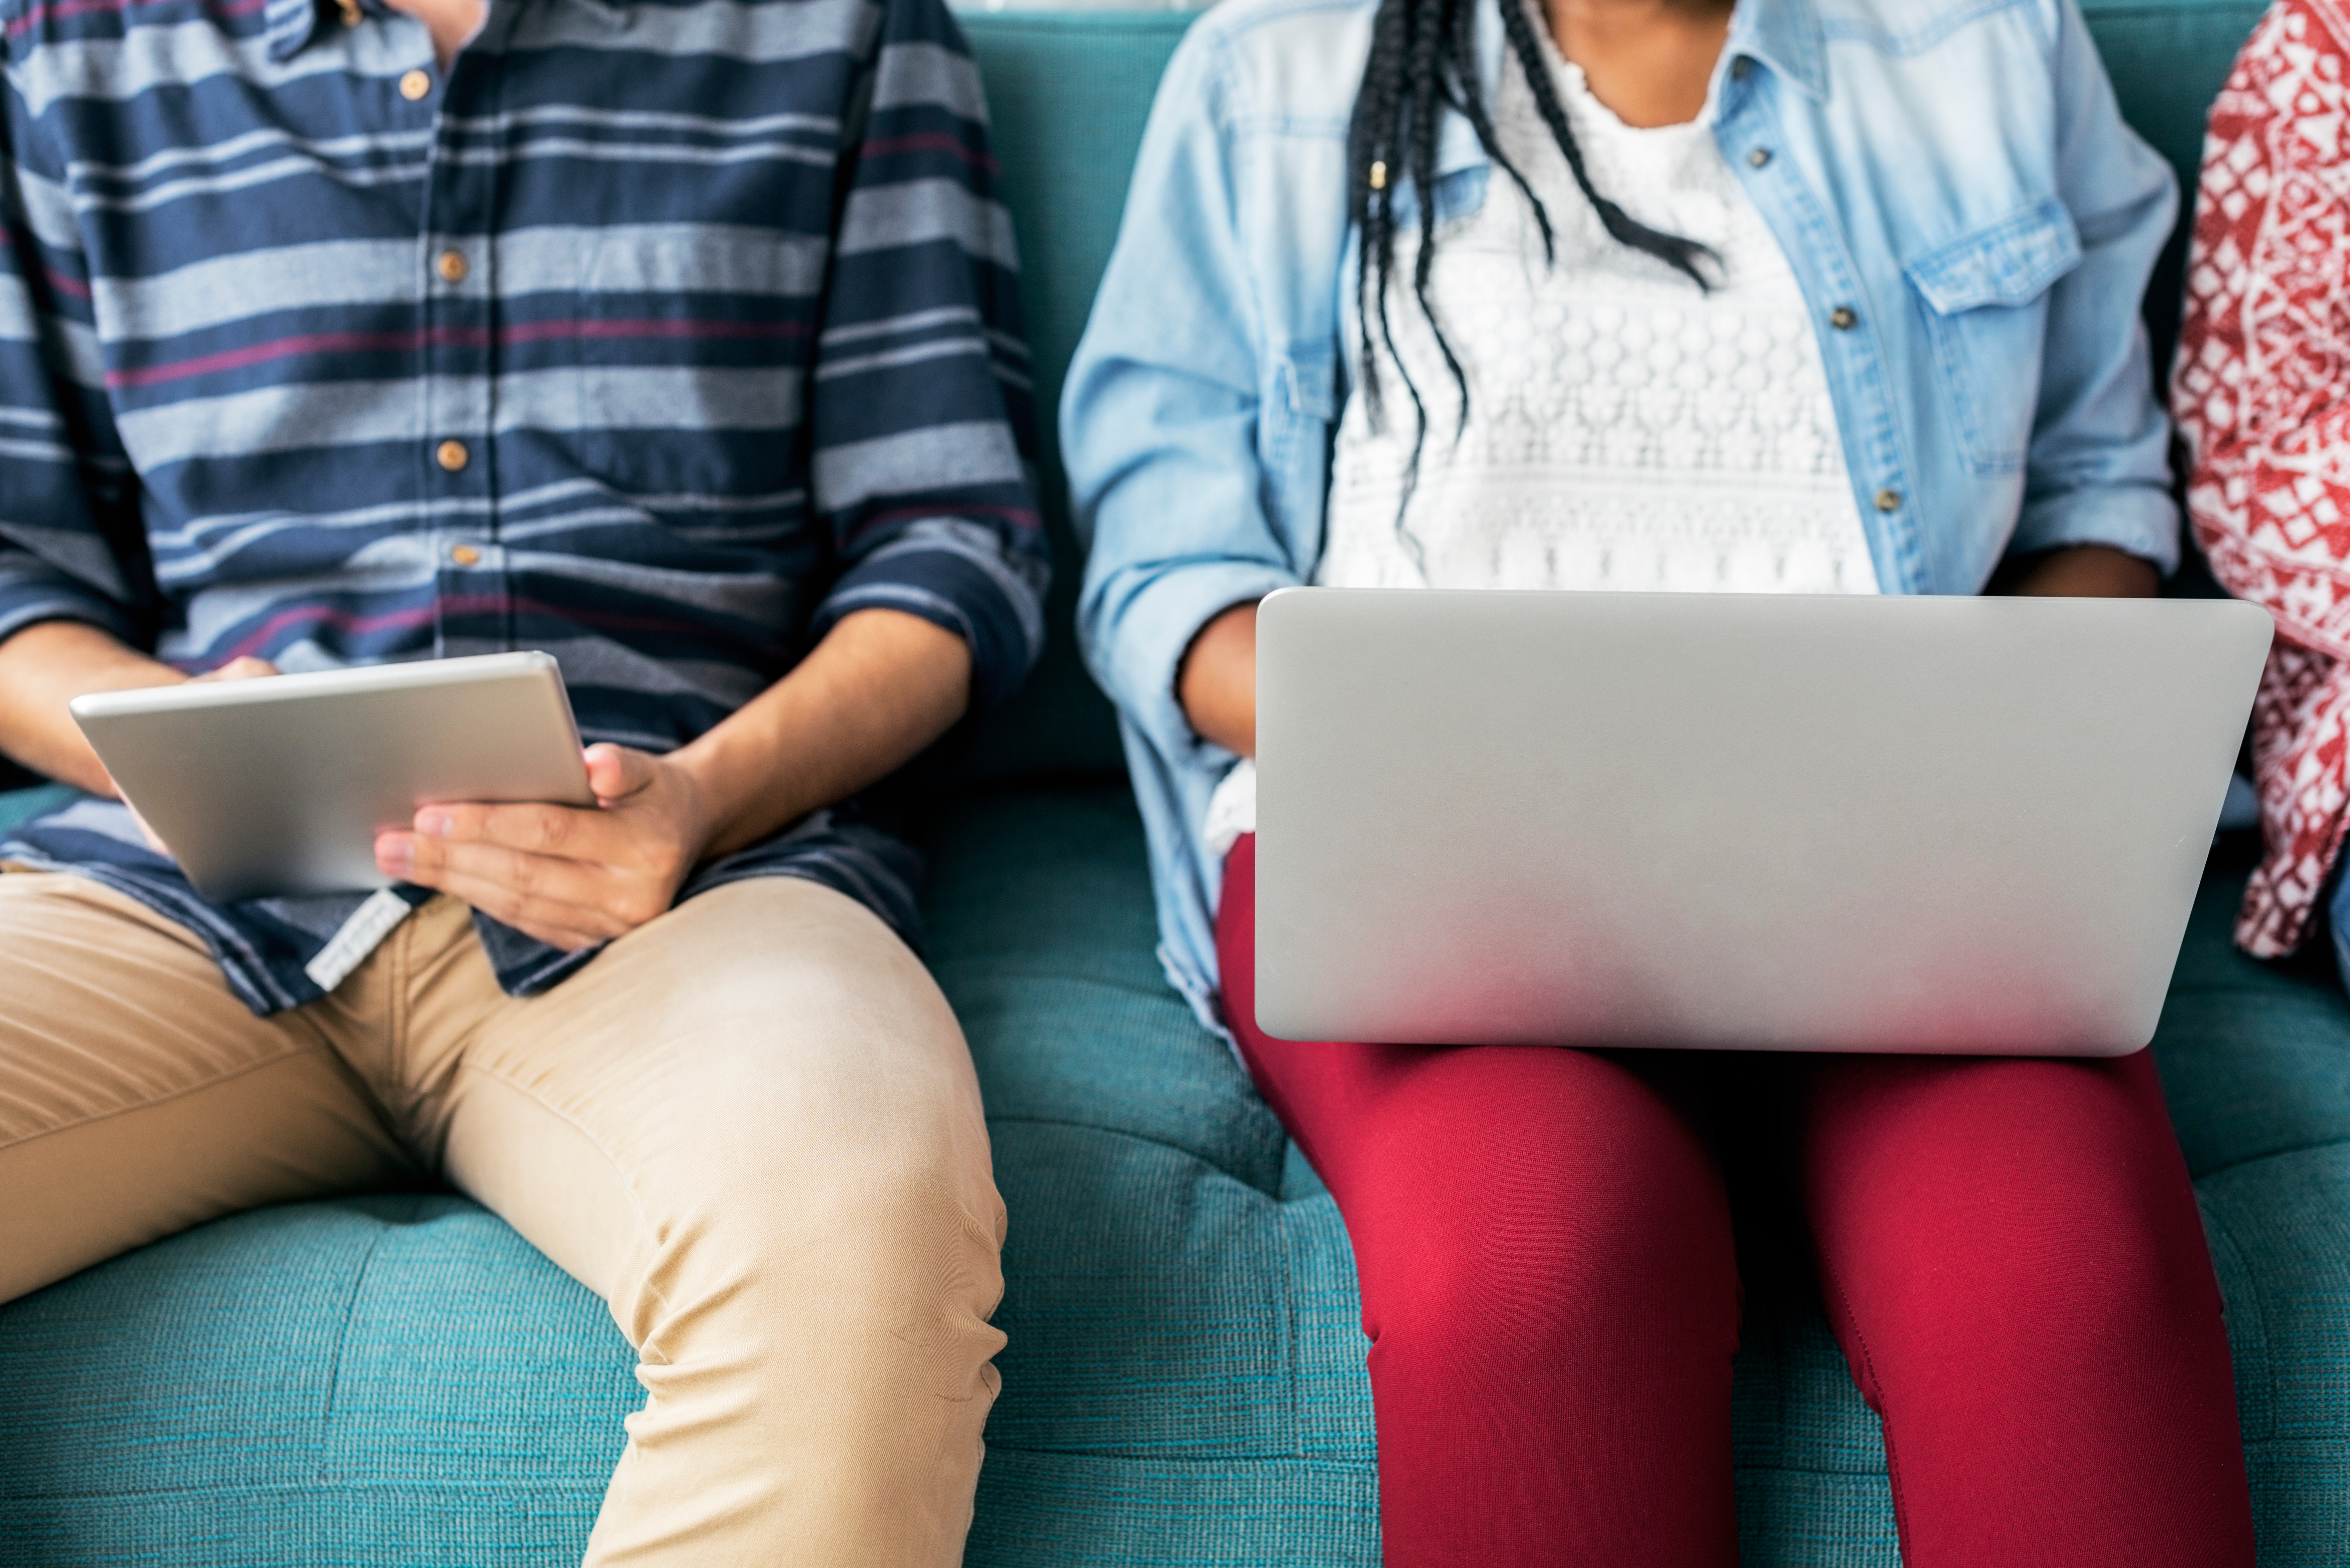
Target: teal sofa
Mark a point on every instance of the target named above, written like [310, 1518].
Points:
[397, 1379]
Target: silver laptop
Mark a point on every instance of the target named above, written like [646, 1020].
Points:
[1745, 822]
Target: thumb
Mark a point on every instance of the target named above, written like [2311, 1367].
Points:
[616, 772]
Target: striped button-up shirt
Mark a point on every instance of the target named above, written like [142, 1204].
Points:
[659, 335]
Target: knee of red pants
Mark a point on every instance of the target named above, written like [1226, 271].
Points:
[2013, 1253]
[1501, 1200]
[1507, 1196]
[1548, 1280]
[1550, 1287]
[2003, 1208]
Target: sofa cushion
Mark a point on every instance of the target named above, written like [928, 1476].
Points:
[391, 1379]
[1134, 1192]
[401, 1379]
[23, 806]
[2255, 1057]
[1045, 75]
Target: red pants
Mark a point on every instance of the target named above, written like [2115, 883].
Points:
[2008, 1247]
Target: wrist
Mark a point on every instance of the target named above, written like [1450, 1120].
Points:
[722, 788]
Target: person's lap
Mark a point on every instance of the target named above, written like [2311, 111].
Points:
[752, 1127]
[138, 1096]
[2009, 1249]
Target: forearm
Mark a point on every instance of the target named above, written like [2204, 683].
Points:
[1217, 681]
[2081, 571]
[880, 687]
[45, 667]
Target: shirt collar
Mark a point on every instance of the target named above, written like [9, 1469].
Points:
[289, 25]
[1784, 35]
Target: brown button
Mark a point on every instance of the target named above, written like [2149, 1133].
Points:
[450, 265]
[1759, 157]
[1843, 319]
[451, 455]
[415, 85]
[465, 555]
[1888, 500]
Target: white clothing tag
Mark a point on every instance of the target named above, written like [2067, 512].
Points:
[361, 935]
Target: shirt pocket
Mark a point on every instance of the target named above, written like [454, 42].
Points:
[1300, 400]
[1986, 305]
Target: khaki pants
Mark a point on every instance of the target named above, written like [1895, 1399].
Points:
[751, 1126]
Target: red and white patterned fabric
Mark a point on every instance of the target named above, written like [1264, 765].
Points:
[2262, 391]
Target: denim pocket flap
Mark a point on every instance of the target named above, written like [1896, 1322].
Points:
[2011, 262]
[1308, 377]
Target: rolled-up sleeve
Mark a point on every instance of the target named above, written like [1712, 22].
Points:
[921, 420]
[1160, 421]
[2098, 469]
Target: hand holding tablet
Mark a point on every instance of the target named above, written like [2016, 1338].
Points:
[280, 786]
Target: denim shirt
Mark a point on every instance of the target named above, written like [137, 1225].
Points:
[1971, 223]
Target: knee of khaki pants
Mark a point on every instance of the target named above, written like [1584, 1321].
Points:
[760, 1136]
[818, 1348]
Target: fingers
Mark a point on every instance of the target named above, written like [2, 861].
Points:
[560, 902]
[246, 668]
[571, 876]
[531, 829]
[616, 772]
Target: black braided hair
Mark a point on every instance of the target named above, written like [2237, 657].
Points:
[1423, 60]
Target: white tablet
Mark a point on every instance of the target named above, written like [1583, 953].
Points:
[278, 786]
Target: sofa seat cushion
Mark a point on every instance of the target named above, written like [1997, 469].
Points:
[2255, 1056]
[384, 1379]
[23, 806]
[399, 1380]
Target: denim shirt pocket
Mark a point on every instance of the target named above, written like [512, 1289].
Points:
[1301, 402]
[1985, 298]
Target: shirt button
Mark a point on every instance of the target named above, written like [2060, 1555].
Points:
[1740, 66]
[415, 85]
[1843, 319]
[1759, 157]
[1888, 500]
[450, 265]
[451, 455]
[465, 555]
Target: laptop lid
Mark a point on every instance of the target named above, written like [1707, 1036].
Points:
[1769, 822]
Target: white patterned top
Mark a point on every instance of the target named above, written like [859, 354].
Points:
[1625, 431]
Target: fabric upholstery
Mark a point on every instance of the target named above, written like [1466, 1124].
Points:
[399, 1380]
[21, 806]
[1068, 93]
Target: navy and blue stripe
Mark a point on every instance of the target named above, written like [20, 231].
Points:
[718, 298]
